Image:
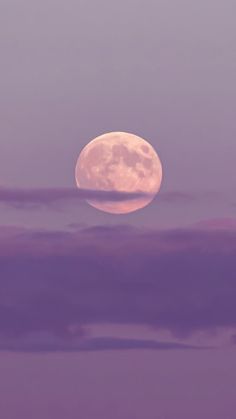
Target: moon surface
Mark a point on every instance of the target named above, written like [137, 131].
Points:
[123, 162]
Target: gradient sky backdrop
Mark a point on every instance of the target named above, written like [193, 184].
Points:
[70, 71]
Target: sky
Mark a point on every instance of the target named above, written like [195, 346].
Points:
[122, 316]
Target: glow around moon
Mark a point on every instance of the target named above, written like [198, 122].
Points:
[119, 161]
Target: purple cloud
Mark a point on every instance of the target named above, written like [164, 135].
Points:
[94, 344]
[48, 196]
[21, 198]
[181, 280]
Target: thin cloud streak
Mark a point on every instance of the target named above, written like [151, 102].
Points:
[48, 196]
[97, 345]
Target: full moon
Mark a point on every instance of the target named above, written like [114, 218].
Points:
[123, 162]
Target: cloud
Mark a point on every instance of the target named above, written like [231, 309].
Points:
[22, 198]
[177, 280]
[48, 197]
[97, 344]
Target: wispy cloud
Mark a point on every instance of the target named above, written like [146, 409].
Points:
[48, 196]
[97, 344]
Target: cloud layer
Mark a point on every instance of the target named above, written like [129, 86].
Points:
[59, 282]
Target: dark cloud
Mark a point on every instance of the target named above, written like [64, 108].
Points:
[48, 196]
[34, 198]
[180, 280]
[95, 344]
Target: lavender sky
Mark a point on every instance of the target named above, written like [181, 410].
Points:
[123, 317]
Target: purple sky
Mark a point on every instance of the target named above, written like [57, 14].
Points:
[165, 71]
[130, 316]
